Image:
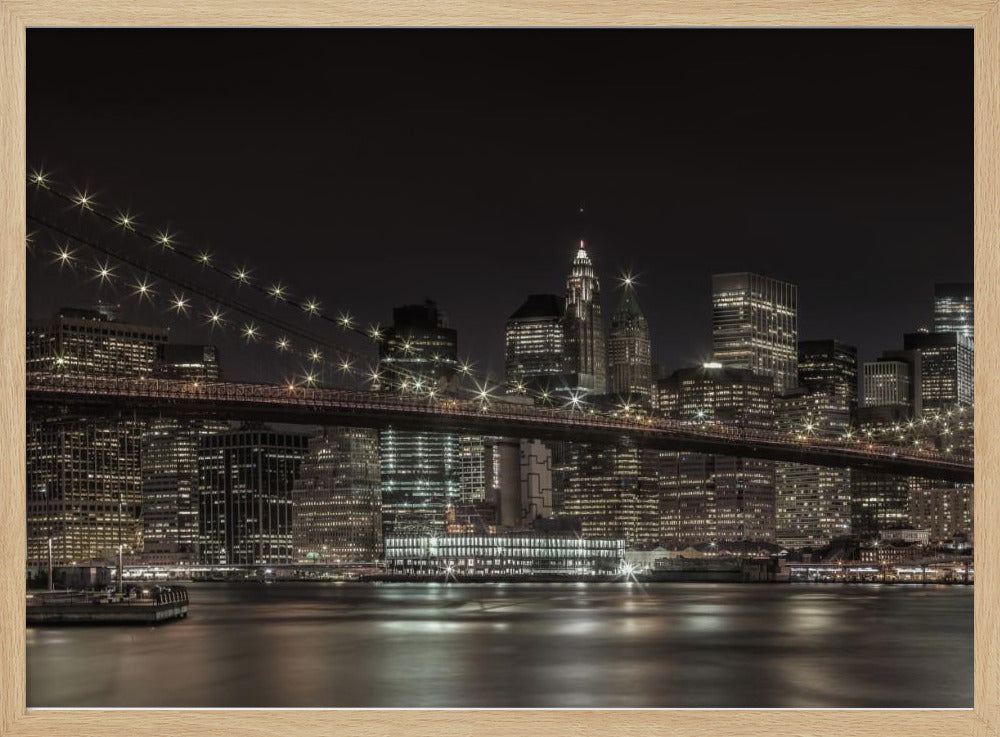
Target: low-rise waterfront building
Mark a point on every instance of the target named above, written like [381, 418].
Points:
[501, 554]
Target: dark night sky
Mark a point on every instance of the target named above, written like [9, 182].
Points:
[373, 168]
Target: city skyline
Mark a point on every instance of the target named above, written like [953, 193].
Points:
[461, 368]
[684, 214]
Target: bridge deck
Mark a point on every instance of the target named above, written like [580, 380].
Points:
[299, 405]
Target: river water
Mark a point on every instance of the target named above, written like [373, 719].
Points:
[523, 645]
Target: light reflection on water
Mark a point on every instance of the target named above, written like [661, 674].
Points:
[535, 645]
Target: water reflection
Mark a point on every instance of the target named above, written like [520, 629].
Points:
[684, 645]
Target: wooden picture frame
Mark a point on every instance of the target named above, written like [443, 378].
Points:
[16, 15]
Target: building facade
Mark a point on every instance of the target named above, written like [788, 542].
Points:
[887, 382]
[812, 503]
[245, 479]
[446, 556]
[946, 369]
[829, 367]
[535, 343]
[944, 510]
[586, 348]
[337, 498]
[954, 309]
[536, 480]
[170, 447]
[630, 353]
[419, 350]
[84, 480]
[419, 470]
[614, 492]
[755, 326]
[707, 498]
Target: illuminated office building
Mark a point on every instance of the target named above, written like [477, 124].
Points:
[945, 510]
[245, 481]
[92, 343]
[707, 497]
[812, 503]
[419, 470]
[829, 367]
[890, 396]
[84, 487]
[170, 447]
[535, 343]
[946, 368]
[954, 309]
[888, 382]
[755, 326]
[419, 350]
[630, 353]
[586, 349]
[337, 498]
[614, 492]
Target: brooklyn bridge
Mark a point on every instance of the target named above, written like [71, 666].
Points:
[483, 415]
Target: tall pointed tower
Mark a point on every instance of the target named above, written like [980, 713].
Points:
[586, 350]
[630, 358]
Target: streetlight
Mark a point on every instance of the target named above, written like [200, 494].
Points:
[51, 587]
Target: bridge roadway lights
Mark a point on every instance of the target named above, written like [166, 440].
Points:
[371, 409]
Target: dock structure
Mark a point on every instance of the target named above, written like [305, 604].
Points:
[148, 607]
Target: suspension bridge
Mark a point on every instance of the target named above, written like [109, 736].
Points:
[321, 406]
[416, 402]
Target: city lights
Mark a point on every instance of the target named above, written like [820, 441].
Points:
[65, 256]
[251, 332]
[39, 178]
[126, 221]
[84, 200]
[179, 303]
[144, 290]
[214, 318]
[104, 272]
[165, 240]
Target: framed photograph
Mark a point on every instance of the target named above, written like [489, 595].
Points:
[596, 367]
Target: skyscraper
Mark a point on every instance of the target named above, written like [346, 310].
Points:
[337, 498]
[84, 487]
[92, 343]
[954, 309]
[829, 367]
[586, 350]
[945, 510]
[613, 493]
[714, 497]
[890, 395]
[887, 382]
[630, 354]
[535, 343]
[755, 326]
[419, 470]
[245, 481]
[170, 446]
[946, 368]
[419, 350]
[812, 503]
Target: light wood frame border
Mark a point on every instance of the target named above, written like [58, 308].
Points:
[15, 15]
